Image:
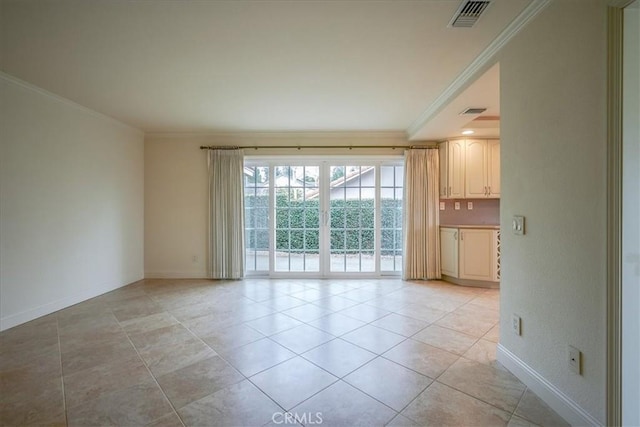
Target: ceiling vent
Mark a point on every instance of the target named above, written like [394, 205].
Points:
[468, 13]
[473, 111]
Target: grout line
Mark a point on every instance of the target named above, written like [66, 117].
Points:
[64, 396]
[155, 380]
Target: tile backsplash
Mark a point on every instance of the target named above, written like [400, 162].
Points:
[485, 211]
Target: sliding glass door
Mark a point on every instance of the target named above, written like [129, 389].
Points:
[323, 218]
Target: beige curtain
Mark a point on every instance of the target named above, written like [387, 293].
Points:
[421, 221]
[226, 214]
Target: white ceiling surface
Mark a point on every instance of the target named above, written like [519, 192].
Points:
[226, 66]
[483, 93]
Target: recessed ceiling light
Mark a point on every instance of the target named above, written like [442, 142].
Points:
[467, 132]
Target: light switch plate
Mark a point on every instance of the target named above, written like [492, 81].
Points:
[518, 225]
[441, 206]
[456, 206]
[575, 360]
[469, 206]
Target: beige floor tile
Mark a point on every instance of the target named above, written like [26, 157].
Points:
[21, 351]
[360, 295]
[21, 383]
[482, 351]
[241, 404]
[406, 326]
[232, 337]
[163, 359]
[106, 382]
[335, 303]
[388, 382]
[302, 338]
[41, 405]
[516, 421]
[135, 308]
[339, 357]
[440, 405]
[198, 380]
[422, 358]
[87, 339]
[293, 381]
[160, 337]
[284, 302]
[95, 381]
[446, 339]
[307, 312]
[257, 356]
[466, 323]
[374, 339]
[493, 335]
[149, 323]
[136, 405]
[420, 312]
[343, 405]
[491, 384]
[85, 357]
[310, 295]
[169, 420]
[273, 323]
[533, 409]
[337, 324]
[402, 421]
[365, 313]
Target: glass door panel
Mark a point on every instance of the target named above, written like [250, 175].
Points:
[297, 219]
[352, 207]
[391, 183]
[256, 209]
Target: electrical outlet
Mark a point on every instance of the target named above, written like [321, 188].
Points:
[442, 206]
[515, 325]
[575, 360]
[469, 206]
[194, 258]
[456, 206]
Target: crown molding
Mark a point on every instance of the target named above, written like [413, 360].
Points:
[391, 134]
[57, 98]
[478, 66]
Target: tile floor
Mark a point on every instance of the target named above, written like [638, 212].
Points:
[267, 352]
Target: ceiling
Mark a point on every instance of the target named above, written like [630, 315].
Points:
[227, 66]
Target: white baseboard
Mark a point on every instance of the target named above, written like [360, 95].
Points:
[51, 307]
[552, 396]
[175, 275]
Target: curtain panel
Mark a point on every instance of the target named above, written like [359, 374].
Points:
[421, 220]
[226, 214]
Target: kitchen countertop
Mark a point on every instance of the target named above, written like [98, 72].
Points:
[481, 226]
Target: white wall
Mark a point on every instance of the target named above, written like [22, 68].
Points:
[176, 190]
[631, 219]
[71, 203]
[553, 158]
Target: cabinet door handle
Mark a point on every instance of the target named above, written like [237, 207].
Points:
[449, 190]
[461, 235]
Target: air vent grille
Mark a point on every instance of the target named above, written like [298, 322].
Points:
[473, 111]
[468, 13]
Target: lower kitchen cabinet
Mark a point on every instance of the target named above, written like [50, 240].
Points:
[471, 254]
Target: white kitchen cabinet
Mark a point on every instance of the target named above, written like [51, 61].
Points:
[449, 251]
[452, 154]
[482, 169]
[493, 167]
[471, 254]
[476, 254]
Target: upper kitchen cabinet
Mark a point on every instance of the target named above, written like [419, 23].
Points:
[452, 163]
[482, 169]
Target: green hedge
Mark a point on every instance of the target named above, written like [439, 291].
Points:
[297, 223]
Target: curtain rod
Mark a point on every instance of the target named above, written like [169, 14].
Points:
[299, 147]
